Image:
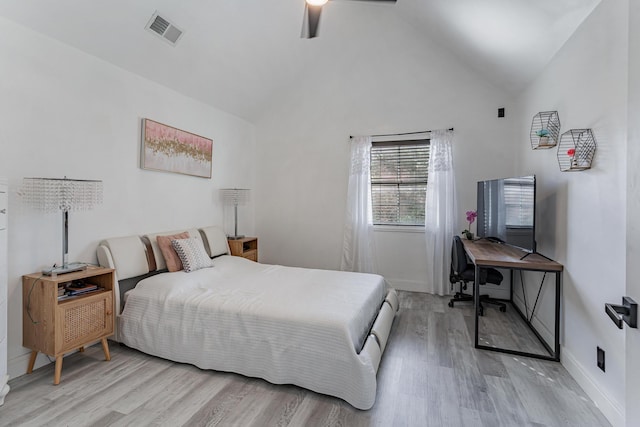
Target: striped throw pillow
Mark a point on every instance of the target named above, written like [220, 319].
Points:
[192, 254]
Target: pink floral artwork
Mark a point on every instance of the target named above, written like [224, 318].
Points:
[168, 149]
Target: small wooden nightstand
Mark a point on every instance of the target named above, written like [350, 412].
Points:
[246, 247]
[56, 326]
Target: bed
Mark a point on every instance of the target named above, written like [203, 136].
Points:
[318, 329]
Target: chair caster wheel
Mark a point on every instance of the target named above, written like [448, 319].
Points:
[450, 303]
[503, 309]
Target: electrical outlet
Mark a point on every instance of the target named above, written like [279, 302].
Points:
[601, 359]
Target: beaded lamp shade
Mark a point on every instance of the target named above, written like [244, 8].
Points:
[62, 195]
[235, 197]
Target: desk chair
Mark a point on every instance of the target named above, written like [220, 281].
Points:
[463, 272]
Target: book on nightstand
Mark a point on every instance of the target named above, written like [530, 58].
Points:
[72, 289]
[81, 287]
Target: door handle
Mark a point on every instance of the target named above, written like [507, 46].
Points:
[627, 312]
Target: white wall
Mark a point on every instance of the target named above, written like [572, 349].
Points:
[391, 80]
[66, 113]
[581, 215]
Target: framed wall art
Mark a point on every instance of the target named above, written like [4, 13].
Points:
[168, 149]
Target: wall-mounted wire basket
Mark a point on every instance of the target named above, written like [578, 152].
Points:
[576, 150]
[545, 130]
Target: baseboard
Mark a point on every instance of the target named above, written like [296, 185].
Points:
[17, 366]
[494, 291]
[416, 286]
[543, 330]
[4, 388]
[612, 410]
[406, 285]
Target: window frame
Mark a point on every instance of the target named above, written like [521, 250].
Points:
[399, 143]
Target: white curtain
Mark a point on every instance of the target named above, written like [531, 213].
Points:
[440, 212]
[358, 249]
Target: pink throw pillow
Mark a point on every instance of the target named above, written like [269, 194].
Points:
[170, 256]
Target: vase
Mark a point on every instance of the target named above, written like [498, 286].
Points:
[544, 141]
[468, 235]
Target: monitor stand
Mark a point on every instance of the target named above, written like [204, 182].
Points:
[534, 252]
[495, 239]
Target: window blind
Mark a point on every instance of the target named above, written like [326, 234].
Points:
[399, 172]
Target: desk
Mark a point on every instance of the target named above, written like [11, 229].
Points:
[484, 253]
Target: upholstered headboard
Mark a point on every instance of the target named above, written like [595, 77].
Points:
[137, 257]
[215, 241]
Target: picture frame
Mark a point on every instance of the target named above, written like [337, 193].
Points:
[165, 148]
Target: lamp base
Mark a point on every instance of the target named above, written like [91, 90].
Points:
[235, 237]
[69, 268]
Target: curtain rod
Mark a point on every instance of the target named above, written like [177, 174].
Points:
[400, 134]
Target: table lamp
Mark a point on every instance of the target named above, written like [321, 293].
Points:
[235, 197]
[65, 195]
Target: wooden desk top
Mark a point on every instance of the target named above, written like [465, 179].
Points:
[490, 254]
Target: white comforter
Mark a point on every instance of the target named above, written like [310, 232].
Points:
[286, 325]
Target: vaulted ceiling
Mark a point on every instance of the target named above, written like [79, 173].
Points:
[237, 55]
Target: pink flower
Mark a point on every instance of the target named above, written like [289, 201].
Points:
[471, 217]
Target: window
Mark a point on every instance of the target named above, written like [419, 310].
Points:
[399, 181]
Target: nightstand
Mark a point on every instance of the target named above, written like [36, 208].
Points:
[55, 324]
[246, 247]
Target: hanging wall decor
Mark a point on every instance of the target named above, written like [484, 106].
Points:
[576, 150]
[545, 129]
[167, 149]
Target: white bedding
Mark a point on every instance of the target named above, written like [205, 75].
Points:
[286, 325]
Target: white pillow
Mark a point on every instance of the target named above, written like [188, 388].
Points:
[192, 254]
[215, 241]
[128, 255]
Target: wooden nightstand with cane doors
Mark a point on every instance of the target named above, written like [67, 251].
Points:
[55, 321]
[246, 247]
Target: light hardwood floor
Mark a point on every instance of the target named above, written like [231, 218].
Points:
[430, 375]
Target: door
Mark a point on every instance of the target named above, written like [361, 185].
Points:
[632, 336]
[3, 287]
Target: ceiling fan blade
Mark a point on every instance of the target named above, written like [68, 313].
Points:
[311, 21]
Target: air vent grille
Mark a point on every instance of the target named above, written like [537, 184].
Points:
[164, 29]
[159, 25]
[172, 34]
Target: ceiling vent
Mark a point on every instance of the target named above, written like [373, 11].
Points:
[164, 29]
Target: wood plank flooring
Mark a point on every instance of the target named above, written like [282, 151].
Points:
[506, 330]
[430, 375]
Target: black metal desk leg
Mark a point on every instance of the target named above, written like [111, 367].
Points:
[511, 285]
[557, 325]
[476, 300]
